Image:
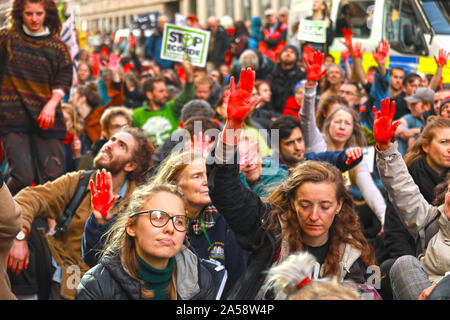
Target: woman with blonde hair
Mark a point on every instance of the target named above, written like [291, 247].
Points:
[208, 232]
[145, 257]
[310, 211]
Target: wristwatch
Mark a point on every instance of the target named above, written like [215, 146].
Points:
[21, 235]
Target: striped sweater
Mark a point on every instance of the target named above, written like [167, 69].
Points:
[38, 66]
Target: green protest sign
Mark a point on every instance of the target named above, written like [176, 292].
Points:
[179, 42]
[312, 31]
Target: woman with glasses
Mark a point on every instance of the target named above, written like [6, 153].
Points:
[341, 129]
[145, 257]
[209, 234]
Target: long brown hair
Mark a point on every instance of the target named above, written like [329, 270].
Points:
[433, 124]
[52, 20]
[356, 139]
[345, 228]
[119, 242]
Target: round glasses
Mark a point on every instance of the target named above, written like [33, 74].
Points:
[159, 219]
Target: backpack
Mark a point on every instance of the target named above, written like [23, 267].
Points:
[69, 211]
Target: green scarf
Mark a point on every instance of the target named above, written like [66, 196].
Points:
[155, 279]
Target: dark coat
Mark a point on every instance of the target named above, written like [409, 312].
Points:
[222, 43]
[108, 280]
[283, 83]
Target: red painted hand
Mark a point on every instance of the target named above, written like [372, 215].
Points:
[102, 197]
[314, 69]
[382, 52]
[308, 53]
[345, 54]
[348, 35]
[200, 144]
[441, 59]
[358, 50]
[113, 62]
[383, 128]
[240, 102]
[353, 154]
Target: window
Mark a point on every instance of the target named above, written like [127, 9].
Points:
[438, 14]
[356, 15]
[403, 27]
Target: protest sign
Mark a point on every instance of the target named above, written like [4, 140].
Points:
[312, 31]
[179, 42]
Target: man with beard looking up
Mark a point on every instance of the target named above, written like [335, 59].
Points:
[126, 157]
[284, 77]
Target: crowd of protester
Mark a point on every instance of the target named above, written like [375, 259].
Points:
[261, 159]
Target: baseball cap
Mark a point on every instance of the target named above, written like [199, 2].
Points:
[422, 94]
[409, 76]
[269, 12]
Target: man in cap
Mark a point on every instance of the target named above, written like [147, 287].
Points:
[411, 124]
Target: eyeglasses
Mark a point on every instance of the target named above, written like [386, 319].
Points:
[159, 219]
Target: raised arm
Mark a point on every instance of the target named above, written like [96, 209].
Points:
[314, 140]
[414, 211]
[241, 207]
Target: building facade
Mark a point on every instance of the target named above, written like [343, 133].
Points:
[108, 15]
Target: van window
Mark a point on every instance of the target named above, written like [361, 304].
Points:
[357, 15]
[403, 28]
[438, 14]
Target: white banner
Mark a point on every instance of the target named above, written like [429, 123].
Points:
[181, 41]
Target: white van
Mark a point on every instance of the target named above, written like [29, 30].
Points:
[415, 29]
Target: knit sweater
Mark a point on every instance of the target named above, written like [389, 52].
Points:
[35, 66]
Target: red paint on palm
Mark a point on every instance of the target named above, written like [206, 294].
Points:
[382, 52]
[358, 50]
[383, 128]
[240, 102]
[101, 196]
[441, 59]
[348, 35]
[314, 63]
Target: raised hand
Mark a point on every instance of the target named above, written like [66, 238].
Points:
[345, 54]
[240, 102]
[442, 57]
[348, 35]
[246, 156]
[357, 50]
[102, 197]
[200, 144]
[382, 52]
[308, 53]
[383, 128]
[113, 62]
[314, 64]
[353, 154]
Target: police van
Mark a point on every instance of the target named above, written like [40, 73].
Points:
[415, 29]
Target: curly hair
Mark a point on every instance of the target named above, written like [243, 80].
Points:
[52, 20]
[142, 155]
[345, 229]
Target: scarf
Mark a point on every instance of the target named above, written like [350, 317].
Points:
[155, 279]
[208, 216]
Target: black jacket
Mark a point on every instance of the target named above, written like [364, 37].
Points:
[222, 43]
[247, 214]
[108, 280]
[283, 83]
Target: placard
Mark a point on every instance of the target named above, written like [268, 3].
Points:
[312, 31]
[181, 41]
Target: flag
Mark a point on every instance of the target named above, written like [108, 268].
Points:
[69, 36]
